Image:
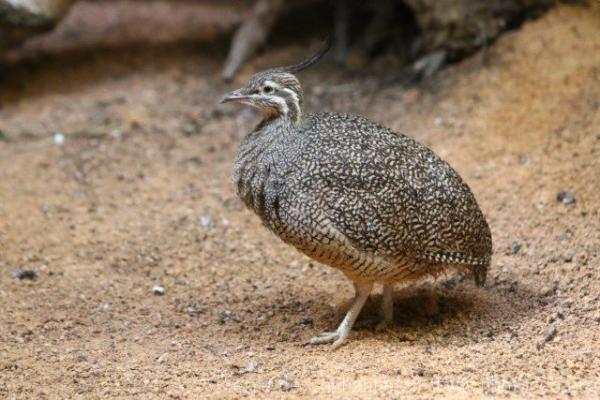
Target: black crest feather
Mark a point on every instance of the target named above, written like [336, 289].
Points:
[312, 60]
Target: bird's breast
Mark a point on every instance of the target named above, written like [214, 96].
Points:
[259, 179]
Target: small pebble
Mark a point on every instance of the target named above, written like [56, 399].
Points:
[59, 138]
[249, 368]
[549, 334]
[158, 290]
[115, 134]
[227, 315]
[192, 311]
[22, 274]
[164, 357]
[582, 258]
[548, 290]
[205, 221]
[515, 247]
[305, 321]
[287, 384]
[523, 159]
[566, 198]
[189, 129]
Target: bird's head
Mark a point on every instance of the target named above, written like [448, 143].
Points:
[276, 92]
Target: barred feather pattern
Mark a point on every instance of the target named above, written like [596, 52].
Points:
[359, 197]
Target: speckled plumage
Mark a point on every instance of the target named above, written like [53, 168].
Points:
[354, 195]
[359, 197]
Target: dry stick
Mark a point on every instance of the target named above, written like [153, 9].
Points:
[251, 34]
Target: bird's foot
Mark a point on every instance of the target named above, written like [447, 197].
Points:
[327, 337]
[338, 337]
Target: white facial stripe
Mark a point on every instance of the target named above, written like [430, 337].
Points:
[281, 103]
[290, 91]
[272, 84]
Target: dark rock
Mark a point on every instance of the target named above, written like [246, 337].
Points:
[305, 321]
[566, 198]
[22, 274]
[515, 247]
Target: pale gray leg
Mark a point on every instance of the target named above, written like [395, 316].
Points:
[387, 308]
[341, 333]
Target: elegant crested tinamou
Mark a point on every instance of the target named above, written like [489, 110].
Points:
[354, 195]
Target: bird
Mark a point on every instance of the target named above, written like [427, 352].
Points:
[354, 195]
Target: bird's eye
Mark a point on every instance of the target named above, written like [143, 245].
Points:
[268, 89]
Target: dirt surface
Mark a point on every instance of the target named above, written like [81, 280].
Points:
[139, 194]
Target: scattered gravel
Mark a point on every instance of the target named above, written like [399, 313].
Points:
[566, 198]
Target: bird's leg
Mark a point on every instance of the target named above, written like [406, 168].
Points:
[387, 308]
[341, 333]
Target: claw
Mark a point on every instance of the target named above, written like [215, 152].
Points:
[338, 337]
[324, 337]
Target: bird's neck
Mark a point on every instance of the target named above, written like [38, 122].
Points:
[285, 112]
[280, 123]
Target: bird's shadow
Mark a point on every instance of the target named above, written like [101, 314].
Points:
[449, 309]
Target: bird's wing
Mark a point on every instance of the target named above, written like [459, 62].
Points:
[390, 195]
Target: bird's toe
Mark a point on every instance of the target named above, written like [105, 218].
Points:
[325, 337]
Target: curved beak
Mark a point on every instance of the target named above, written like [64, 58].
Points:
[235, 95]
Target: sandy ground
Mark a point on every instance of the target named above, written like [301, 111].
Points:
[139, 195]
